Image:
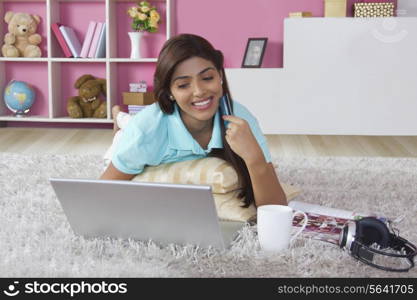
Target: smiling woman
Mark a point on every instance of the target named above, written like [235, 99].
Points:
[186, 123]
[197, 88]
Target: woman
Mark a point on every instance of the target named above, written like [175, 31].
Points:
[186, 123]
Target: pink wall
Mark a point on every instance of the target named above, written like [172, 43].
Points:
[229, 24]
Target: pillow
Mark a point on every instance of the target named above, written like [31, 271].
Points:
[229, 206]
[207, 171]
[217, 173]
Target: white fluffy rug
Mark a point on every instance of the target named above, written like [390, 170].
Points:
[36, 240]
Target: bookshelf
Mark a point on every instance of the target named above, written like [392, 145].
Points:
[53, 75]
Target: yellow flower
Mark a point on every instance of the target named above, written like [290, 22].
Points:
[155, 16]
[132, 12]
[145, 9]
[142, 17]
[153, 23]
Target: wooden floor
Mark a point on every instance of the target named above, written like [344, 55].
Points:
[96, 141]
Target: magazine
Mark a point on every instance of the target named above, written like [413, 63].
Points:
[325, 223]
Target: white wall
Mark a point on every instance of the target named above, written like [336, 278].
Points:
[407, 8]
[342, 76]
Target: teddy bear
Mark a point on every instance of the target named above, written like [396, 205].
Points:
[88, 103]
[22, 39]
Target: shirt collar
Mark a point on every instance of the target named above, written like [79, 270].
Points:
[181, 139]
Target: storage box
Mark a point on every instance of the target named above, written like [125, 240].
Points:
[335, 8]
[300, 14]
[138, 98]
[372, 10]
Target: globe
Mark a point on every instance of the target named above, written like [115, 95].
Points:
[19, 97]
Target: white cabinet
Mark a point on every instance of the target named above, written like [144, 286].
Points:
[342, 76]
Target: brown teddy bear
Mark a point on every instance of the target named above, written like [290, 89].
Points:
[22, 39]
[88, 103]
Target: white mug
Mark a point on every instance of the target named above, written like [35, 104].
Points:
[274, 226]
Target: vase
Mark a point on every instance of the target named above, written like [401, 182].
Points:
[135, 44]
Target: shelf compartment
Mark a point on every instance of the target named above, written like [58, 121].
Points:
[122, 74]
[64, 75]
[77, 15]
[34, 7]
[33, 73]
[120, 25]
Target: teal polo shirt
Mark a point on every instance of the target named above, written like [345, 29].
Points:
[152, 138]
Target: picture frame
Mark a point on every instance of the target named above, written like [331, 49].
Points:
[254, 53]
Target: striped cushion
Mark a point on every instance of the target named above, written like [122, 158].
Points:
[229, 206]
[207, 171]
[210, 171]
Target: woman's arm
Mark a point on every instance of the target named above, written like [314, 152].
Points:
[112, 173]
[265, 183]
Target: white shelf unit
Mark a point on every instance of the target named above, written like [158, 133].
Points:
[341, 76]
[54, 62]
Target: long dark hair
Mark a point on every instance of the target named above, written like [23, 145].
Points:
[177, 50]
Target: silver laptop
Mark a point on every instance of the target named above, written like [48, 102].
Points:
[164, 213]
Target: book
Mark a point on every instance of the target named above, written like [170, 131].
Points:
[88, 38]
[134, 109]
[325, 223]
[94, 42]
[71, 39]
[61, 40]
[101, 47]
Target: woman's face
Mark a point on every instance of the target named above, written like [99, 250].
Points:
[196, 86]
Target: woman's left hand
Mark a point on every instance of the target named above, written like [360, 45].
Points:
[242, 141]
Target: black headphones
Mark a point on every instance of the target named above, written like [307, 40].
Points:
[358, 236]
